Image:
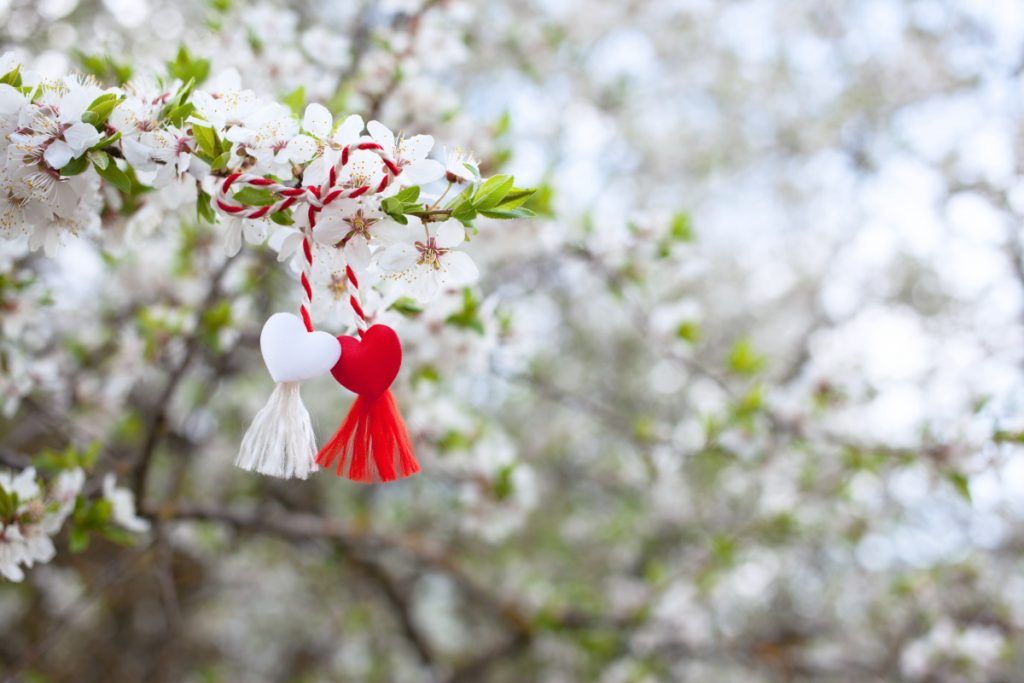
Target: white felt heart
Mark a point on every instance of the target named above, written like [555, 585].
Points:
[293, 354]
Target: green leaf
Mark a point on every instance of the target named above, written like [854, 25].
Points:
[177, 115]
[221, 161]
[115, 176]
[52, 462]
[744, 360]
[107, 141]
[391, 205]
[186, 67]
[515, 198]
[93, 64]
[425, 373]
[492, 192]
[408, 195]
[99, 159]
[468, 318]
[87, 458]
[75, 166]
[462, 206]
[509, 214]
[204, 209]
[541, 201]
[407, 307]
[104, 67]
[1006, 436]
[961, 483]
[748, 406]
[215, 319]
[296, 100]
[688, 331]
[254, 196]
[503, 484]
[122, 72]
[184, 92]
[8, 505]
[12, 77]
[464, 197]
[465, 214]
[99, 111]
[283, 217]
[503, 125]
[78, 540]
[402, 203]
[681, 229]
[206, 138]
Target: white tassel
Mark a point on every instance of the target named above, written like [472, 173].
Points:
[280, 441]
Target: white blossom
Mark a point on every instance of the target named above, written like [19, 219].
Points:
[409, 153]
[461, 167]
[122, 502]
[26, 538]
[424, 263]
[51, 130]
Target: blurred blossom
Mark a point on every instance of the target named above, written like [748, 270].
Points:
[742, 401]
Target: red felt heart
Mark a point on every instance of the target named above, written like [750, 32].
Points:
[369, 365]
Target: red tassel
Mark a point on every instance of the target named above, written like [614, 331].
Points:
[372, 443]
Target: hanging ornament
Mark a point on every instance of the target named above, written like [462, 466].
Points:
[280, 441]
[372, 443]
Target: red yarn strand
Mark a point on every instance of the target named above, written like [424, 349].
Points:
[372, 444]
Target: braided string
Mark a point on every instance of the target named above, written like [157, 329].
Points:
[316, 197]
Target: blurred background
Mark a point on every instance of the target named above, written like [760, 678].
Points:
[742, 404]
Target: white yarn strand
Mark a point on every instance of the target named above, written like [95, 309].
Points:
[280, 442]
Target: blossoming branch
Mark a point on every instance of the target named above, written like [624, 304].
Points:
[388, 219]
[70, 150]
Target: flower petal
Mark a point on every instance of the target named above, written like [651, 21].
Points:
[398, 257]
[81, 136]
[415, 148]
[285, 241]
[423, 284]
[457, 269]
[330, 229]
[349, 130]
[357, 254]
[450, 234]
[137, 155]
[316, 172]
[233, 236]
[58, 154]
[382, 135]
[300, 149]
[421, 172]
[317, 120]
[11, 100]
[389, 232]
[75, 102]
[255, 231]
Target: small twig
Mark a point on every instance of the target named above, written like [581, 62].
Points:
[431, 214]
[302, 526]
[16, 461]
[400, 603]
[473, 670]
[158, 423]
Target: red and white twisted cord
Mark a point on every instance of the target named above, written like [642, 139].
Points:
[316, 197]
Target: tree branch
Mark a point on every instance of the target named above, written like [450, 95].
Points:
[158, 422]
